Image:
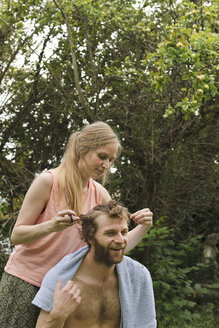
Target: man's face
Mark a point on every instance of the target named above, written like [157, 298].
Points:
[110, 240]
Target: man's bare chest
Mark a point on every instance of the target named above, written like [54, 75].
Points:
[100, 306]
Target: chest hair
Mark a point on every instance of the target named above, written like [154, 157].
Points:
[98, 302]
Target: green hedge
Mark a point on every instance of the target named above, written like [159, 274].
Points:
[176, 269]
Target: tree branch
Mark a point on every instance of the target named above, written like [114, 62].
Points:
[31, 99]
[75, 65]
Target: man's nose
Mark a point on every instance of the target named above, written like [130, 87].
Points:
[119, 238]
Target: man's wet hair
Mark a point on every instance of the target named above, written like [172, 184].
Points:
[112, 209]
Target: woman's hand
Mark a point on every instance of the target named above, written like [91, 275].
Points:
[143, 217]
[63, 220]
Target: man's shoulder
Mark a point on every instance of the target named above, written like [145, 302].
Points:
[134, 266]
[66, 267]
[129, 261]
[133, 276]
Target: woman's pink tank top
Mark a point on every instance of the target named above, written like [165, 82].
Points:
[31, 262]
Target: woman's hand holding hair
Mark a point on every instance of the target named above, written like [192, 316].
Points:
[63, 220]
[25, 234]
[143, 217]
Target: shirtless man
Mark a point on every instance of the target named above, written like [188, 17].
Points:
[95, 294]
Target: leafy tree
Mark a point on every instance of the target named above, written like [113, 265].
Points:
[149, 69]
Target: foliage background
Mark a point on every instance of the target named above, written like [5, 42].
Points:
[150, 70]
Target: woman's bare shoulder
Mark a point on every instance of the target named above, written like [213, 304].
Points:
[43, 181]
[106, 196]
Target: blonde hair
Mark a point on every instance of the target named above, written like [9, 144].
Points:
[91, 137]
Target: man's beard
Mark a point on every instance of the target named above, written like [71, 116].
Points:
[102, 255]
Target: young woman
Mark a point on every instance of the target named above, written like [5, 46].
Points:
[47, 225]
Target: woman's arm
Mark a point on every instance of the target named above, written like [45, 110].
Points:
[144, 219]
[36, 198]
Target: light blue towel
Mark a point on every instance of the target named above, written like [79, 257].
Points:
[135, 289]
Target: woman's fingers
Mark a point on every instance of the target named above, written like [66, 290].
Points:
[143, 216]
